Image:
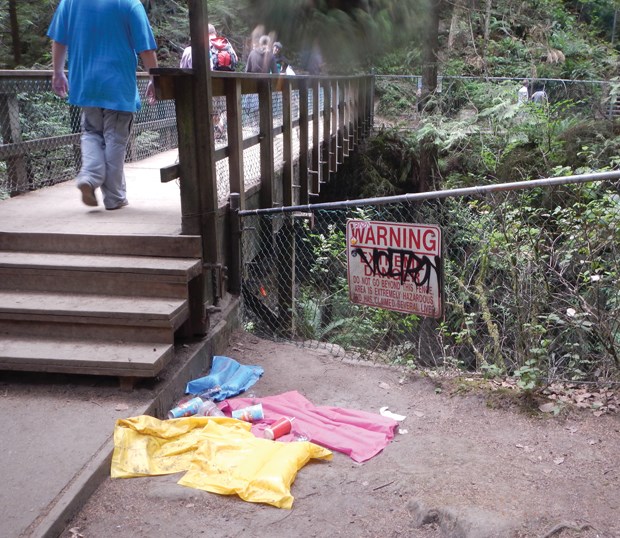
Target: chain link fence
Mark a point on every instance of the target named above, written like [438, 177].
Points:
[40, 133]
[398, 97]
[531, 281]
[251, 128]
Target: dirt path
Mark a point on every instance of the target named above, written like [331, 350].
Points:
[463, 469]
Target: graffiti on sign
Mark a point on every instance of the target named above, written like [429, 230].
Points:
[395, 266]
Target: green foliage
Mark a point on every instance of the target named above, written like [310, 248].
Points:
[528, 376]
[324, 311]
[384, 35]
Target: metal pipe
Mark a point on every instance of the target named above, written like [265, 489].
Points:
[436, 195]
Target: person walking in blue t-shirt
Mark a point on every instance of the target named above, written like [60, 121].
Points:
[102, 39]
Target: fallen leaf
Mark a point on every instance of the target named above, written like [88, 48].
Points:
[384, 386]
[598, 413]
[418, 414]
[519, 446]
[121, 407]
[558, 461]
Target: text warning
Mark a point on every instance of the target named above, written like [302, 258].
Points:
[395, 266]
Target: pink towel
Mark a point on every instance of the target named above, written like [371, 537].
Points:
[358, 434]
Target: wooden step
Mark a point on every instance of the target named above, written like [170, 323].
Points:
[113, 331]
[170, 246]
[86, 316]
[80, 273]
[79, 357]
[93, 309]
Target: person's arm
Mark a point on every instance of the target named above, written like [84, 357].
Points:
[60, 86]
[149, 61]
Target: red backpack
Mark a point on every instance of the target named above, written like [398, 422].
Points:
[223, 55]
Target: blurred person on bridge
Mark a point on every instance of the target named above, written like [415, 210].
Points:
[102, 39]
[261, 59]
[222, 55]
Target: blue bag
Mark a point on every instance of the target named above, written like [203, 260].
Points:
[227, 378]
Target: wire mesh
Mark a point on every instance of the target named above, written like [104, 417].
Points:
[530, 280]
[398, 97]
[40, 134]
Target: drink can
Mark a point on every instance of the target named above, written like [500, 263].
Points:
[279, 428]
[249, 414]
[186, 409]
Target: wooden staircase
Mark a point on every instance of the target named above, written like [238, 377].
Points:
[95, 304]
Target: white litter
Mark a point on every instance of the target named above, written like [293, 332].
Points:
[384, 411]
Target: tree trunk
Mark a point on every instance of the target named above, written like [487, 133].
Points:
[430, 53]
[487, 24]
[17, 45]
[428, 158]
[455, 22]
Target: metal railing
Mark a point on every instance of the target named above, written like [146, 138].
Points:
[530, 279]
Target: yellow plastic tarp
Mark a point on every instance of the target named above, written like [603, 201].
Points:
[146, 446]
[220, 454]
[258, 470]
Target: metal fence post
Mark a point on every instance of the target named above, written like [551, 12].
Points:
[285, 247]
[234, 267]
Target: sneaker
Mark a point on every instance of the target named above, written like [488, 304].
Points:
[88, 194]
[122, 204]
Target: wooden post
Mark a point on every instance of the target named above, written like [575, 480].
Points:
[304, 163]
[16, 168]
[361, 108]
[287, 144]
[327, 131]
[351, 115]
[267, 188]
[316, 138]
[344, 118]
[206, 176]
[371, 102]
[333, 136]
[235, 139]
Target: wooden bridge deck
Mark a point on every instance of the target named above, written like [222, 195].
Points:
[154, 207]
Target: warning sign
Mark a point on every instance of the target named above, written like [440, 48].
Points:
[395, 266]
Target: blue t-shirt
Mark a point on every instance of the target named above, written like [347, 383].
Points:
[103, 39]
